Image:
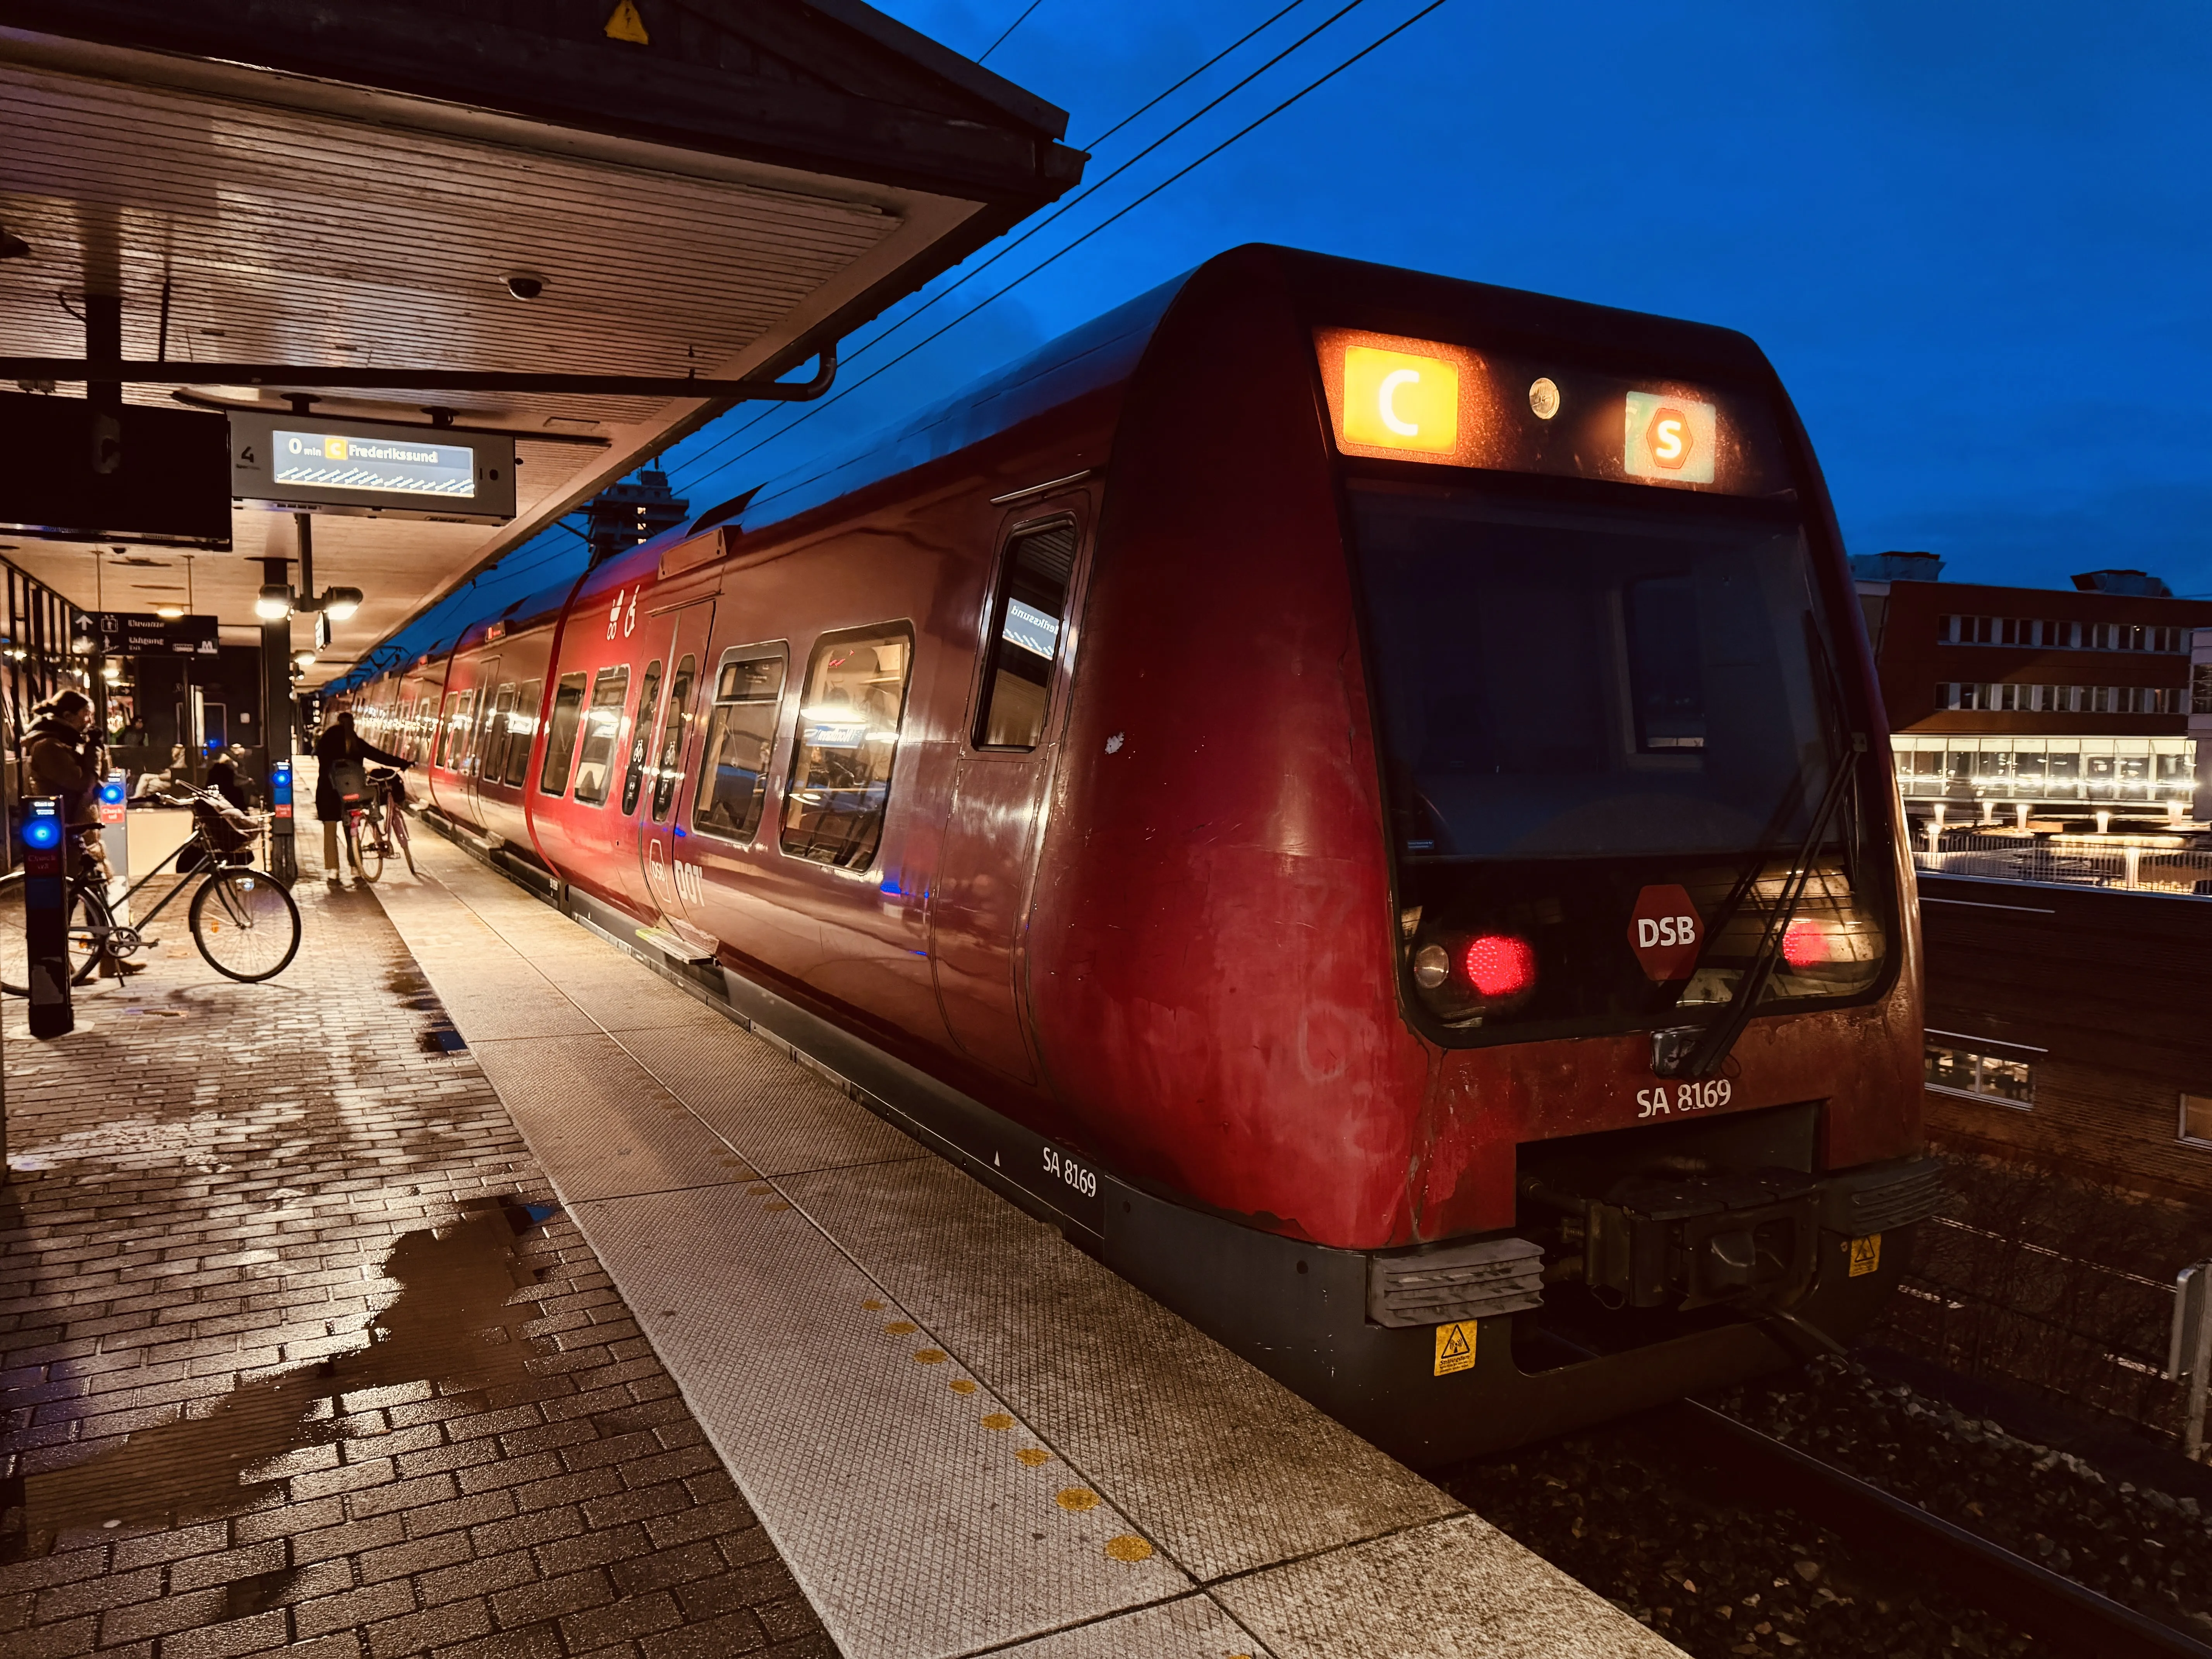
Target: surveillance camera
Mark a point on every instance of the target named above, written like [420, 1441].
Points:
[526, 288]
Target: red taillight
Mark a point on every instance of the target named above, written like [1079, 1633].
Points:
[1804, 945]
[1500, 965]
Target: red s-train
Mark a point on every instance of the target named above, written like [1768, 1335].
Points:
[1360, 796]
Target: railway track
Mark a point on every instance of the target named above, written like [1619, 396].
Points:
[1878, 1523]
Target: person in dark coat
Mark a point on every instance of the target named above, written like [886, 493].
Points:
[64, 757]
[223, 779]
[340, 742]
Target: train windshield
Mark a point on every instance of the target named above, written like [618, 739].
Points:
[1575, 681]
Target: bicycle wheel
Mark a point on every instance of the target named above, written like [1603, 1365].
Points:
[368, 854]
[88, 921]
[246, 925]
[406, 842]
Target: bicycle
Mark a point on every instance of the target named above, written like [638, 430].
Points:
[375, 825]
[244, 922]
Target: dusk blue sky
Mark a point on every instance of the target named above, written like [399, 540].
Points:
[1973, 237]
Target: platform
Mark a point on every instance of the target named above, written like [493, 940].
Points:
[959, 1435]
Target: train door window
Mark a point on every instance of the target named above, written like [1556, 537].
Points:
[521, 728]
[446, 730]
[850, 707]
[640, 738]
[1026, 624]
[560, 736]
[602, 726]
[740, 731]
[673, 728]
[496, 735]
[465, 733]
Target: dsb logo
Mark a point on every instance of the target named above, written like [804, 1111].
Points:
[1665, 931]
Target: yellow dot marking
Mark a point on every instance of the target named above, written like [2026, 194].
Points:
[901, 1328]
[1076, 1499]
[1130, 1547]
[963, 1385]
[998, 1420]
[777, 1205]
[1033, 1455]
[758, 1187]
[929, 1357]
[872, 1305]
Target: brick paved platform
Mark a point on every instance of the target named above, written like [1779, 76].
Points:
[295, 1351]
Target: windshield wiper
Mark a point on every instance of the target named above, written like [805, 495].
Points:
[1696, 1051]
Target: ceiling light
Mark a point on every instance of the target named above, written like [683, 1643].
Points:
[303, 660]
[169, 612]
[273, 603]
[13, 247]
[522, 288]
[111, 672]
[340, 603]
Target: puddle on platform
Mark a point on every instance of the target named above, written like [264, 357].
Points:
[451, 1325]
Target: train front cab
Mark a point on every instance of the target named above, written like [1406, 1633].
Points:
[1390, 559]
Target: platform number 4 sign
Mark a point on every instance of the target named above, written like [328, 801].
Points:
[1866, 1255]
[1455, 1347]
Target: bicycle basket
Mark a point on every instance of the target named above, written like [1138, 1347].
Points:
[222, 833]
[348, 782]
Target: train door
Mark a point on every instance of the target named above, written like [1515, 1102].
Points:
[981, 895]
[487, 745]
[671, 880]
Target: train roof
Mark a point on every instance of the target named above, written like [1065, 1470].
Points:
[1106, 350]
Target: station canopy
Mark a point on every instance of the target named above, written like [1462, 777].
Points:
[559, 207]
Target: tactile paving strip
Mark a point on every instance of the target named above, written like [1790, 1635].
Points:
[1229, 1469]
[785, 1117]
[1454, 1590]
[1193, 1627]
[905, 1505]
[609, 1130]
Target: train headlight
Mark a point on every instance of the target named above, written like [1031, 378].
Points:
[1431, 966]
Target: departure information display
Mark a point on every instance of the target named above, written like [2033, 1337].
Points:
[296, 463]
[385, 464]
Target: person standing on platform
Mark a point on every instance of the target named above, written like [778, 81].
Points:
[340, 742]
[64, 759]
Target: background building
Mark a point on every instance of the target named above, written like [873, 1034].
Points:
[2069, 941]
[2002, 699]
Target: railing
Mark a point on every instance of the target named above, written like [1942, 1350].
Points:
[2123, 863]
[2095, 1337]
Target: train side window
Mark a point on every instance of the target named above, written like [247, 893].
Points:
[850, 708]
[740, 731]
[672, 724]
[495, 731]
[640, 737]
[560, 736]
[1027, 620]
[418, 726]
[602, 725]
[446, 730]
[521, 728]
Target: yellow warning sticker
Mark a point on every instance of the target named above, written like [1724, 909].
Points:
[1866, 1255]
[1455, 1347]
[627, 24]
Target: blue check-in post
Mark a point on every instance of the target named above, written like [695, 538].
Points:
[45, 932]
[283, 859]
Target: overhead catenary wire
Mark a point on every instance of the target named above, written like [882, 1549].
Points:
[1173, 177]
[1011, 28]
[1079, 198]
